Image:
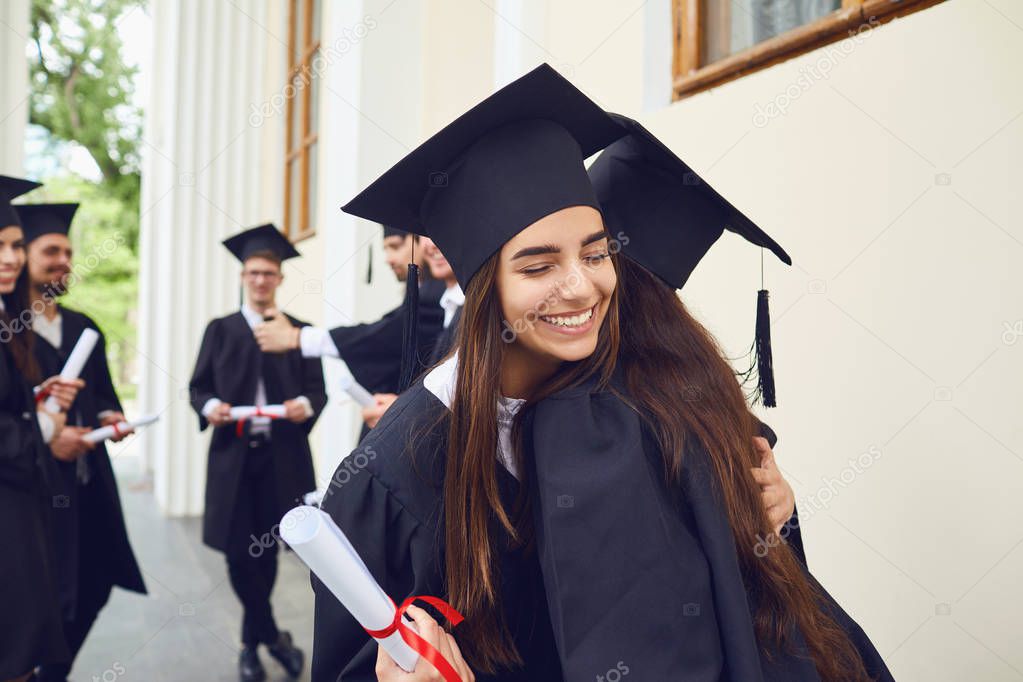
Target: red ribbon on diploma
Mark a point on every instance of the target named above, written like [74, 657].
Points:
[418, 644]
[42, 395]
[240, 424]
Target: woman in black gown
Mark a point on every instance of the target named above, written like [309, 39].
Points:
[30, 623]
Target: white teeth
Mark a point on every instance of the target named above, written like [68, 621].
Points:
[570, 321]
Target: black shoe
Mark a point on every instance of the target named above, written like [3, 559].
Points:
[249, 667]
[287, 654]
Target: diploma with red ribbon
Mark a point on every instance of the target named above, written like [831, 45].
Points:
[242, 413]
[104, 432]
[321, 545]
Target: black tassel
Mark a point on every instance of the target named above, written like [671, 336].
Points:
[369, 268]
[410, 336]
[762, 352]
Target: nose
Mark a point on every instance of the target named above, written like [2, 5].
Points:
[578, 286]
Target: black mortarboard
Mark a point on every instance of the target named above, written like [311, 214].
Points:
[40, 219]
[263, 238]
[393, 232]
[666, 217]
[9, 189]
[514, 158]
[642, 184]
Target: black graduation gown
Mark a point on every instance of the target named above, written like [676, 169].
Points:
[372, 350]
[446, 339]
[391, 508]
[664, 596]
[30, 621]
[229, 367]
[90, 538]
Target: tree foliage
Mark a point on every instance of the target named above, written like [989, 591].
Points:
[82, 93]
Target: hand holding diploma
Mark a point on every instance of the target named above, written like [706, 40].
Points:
[321, 545]
[389, 671]
[60, 391]
[118, 430]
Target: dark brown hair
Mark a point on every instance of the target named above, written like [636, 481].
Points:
[16, 321]
[679, 381]
[474, 516]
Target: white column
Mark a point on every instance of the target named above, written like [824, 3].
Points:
[200, 182]
[14, 30]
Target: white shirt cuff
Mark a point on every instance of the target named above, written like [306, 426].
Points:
[105, 413]
[315, 342]
[306, 404]
[210, 405]
[46, 425]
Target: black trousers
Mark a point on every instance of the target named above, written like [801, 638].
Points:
[252, 550]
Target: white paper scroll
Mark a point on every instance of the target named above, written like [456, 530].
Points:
[354, 389]
[246, 411]
[75, 362]
[321, 545]
[102, 433]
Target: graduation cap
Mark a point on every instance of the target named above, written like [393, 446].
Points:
[9, 189]
[511, 160]
[40, 219]
[393, 232]
[671, 217]
[263, 238]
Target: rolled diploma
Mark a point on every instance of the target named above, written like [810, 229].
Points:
[321, 545]
[354, 389]
[101, 434]
[75, 362]
[246, 411]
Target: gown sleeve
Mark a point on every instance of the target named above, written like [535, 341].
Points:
[201, 387]
[103, 386]
[369, 497]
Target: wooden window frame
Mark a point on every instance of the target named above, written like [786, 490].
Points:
[689, 76]
[299, 149]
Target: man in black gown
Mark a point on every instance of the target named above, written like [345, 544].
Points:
[372, 351]
[260, 467]
[90, 540]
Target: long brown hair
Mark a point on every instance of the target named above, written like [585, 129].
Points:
[679, 381]
[16, 321]
[474, 516]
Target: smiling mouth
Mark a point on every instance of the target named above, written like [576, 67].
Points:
[571, 321]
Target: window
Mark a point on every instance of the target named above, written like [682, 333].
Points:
[302, 94]
[720, 40]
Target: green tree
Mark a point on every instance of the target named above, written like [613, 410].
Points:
[82, 94]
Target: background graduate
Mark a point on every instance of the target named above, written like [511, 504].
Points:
[372, 351]
[30, 620]
[655, 469]
[90, 539]
[450, 302]
[260, 468]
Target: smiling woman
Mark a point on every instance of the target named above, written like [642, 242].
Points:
[504, 194]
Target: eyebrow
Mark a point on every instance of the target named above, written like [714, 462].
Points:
[551, 248]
